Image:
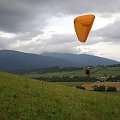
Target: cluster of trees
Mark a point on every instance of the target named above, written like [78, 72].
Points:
[80, 87]
[45, 70]
[114, 78]
[115, 65]
[67, 79]
[100, 88]
[104, 88]
[76, 79]
[55, 69]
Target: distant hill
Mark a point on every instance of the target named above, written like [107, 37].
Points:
[83, 59]
[14, 60]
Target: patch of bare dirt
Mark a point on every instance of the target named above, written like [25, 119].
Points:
[114, 84]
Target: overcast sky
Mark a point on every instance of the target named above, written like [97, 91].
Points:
[38, 26]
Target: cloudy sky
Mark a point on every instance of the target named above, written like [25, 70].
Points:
[38, 26]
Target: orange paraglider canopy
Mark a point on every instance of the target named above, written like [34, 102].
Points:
[83, 26]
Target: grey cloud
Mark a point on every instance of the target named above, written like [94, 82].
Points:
[25, 15]
[27, 35]
[60, 39]
[60, 43]
[57, 43]
[20, 16]
[85, 6]
[27, 18]
[110, 33]
[5, 43]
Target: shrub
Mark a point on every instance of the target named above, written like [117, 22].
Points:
[99, 88]
[80, 87]
[111, 89]
[95, 86]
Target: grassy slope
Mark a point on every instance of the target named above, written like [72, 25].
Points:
[66, 73]
[72, 84]
[63, 73]
[109, 71]
[26, 99]
[96, 72]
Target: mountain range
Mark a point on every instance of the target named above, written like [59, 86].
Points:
[83, 59]
[15, 60]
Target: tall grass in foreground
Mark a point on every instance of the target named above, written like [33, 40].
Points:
[26, 99]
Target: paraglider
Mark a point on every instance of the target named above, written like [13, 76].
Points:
[87, 71]
[83, 25]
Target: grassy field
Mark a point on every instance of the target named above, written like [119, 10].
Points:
[108, 71]
[61, 73]
[72, 84]
[28, 99]
[66, 73]
[96, 72]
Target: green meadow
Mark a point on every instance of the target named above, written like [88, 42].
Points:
[96, 72]
[72, 84]
[23, 98]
